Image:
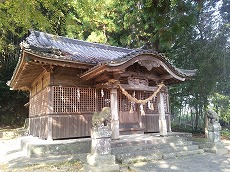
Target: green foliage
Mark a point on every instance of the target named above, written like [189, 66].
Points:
[221, 104]
[181, 128]
[157, 22]
[16, 17]
[189, 32]
[225, 133]
[203, 48]
[12, 110]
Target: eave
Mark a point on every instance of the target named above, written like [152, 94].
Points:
[157, 62]
[31, 65]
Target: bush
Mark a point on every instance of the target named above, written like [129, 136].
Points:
[189, 129]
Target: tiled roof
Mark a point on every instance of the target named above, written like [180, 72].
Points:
[62, 48]
[73, 49]
[162, 57]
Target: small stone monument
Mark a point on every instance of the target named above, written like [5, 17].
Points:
[214, 129]
[100, 158]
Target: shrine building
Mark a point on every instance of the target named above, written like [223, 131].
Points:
[69, 80]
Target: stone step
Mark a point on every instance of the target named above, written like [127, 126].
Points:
[44, 148]
[147, 147]
[155, 141]
[152, 155]
[182, 153]
[217, 148]
[165, 150]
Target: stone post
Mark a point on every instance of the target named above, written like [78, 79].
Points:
[161, 110]
[100, 158]
[114, 114]
[215, 146]
[214, 132]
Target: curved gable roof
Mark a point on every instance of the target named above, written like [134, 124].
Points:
[146, 58]
[72, 49]
[48, 49]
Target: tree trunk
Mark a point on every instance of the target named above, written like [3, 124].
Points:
[192, 119]
[197, 117]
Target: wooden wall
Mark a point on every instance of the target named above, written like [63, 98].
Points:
[71, 126]
[63, 126]
[39, 126]
[150, 122]
[39, 103]
[68, 77]
[56, 111]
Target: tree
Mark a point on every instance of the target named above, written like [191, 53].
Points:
[187, 31]
[205, 49]
[16, 18]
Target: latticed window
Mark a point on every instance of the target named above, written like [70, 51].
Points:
[124, 104]
[103, 97]
[151, 106]
[74, 100]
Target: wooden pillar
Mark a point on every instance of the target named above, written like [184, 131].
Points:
[161, 110]
[114, 113]
[50, 128]
[50, 111]
[168, 111]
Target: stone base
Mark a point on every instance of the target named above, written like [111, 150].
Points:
[101, 163]
[109, 168]
[217, 148]
[163, 127]
[99, 160]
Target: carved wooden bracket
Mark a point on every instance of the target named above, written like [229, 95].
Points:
[149, 64]
[48, 68]
[137, 81]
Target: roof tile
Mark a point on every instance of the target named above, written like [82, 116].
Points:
[78, 50]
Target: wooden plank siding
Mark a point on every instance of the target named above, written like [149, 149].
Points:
[38, 126]
[71, 126]
[39, 103]
[71, 108]
[151, 122]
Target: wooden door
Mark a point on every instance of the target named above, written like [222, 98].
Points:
[129, 116]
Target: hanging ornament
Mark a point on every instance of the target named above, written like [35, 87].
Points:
[134, 94]
[131, 108]
[78, 94]
[102, 93]
[150, 105]
[142, 109]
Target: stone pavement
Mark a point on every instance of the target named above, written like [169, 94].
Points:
[206, 162]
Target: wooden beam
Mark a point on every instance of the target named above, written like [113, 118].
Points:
[140, 75]
[165, 77]
[58, 62]
[103, 77]
[138, 87]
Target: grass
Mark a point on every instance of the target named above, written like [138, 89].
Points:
[225, 134]
[197, 139]
[198, 135]
[188, 129]
[70, 166]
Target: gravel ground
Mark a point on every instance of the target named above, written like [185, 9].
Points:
[197, 163]
[60, 167]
